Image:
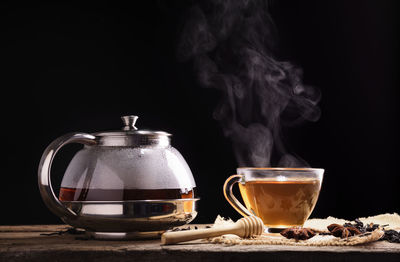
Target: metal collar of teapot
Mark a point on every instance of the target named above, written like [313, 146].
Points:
[131, 136]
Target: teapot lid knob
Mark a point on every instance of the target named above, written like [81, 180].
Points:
[129, 122]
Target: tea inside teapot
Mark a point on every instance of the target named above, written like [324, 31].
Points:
[87, 194]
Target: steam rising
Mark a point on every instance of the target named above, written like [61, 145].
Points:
[230, 44]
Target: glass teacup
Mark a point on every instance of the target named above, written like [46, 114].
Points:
[281, 197]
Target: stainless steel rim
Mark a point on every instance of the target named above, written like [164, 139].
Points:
[133, 201]
[131, 216]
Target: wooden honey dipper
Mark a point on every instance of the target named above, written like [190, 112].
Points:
[244, 227]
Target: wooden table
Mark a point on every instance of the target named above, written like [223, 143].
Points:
[25, 243]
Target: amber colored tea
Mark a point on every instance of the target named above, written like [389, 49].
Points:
[86, 194]
[281, 203]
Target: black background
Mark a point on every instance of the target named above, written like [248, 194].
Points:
[73, 67]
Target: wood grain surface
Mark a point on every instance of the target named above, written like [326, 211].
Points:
[26, 243]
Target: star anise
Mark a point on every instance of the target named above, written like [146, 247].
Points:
[343, 231]
[298, 233]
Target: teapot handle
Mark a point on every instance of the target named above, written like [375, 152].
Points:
[44, 179]
[231, 198]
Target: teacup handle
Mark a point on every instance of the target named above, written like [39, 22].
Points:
[44, 179]
[231, 198]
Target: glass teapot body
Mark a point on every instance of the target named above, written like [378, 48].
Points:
[122, 185]
[98, 173]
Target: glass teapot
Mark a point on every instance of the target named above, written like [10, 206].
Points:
[123, 184]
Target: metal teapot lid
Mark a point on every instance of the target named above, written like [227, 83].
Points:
[131, 136]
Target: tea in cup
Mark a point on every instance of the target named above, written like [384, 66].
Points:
[281, 197]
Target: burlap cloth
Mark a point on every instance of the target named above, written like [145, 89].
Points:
[391, 220]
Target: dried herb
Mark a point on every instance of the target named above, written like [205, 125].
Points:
[343, 231]
[361, 227]
[392, 236]
[298, 233]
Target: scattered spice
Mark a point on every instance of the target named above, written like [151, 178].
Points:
[70, 230]
[180, 229]
[343, 231]
[324, 233]
[298, 233]
[185, 228]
